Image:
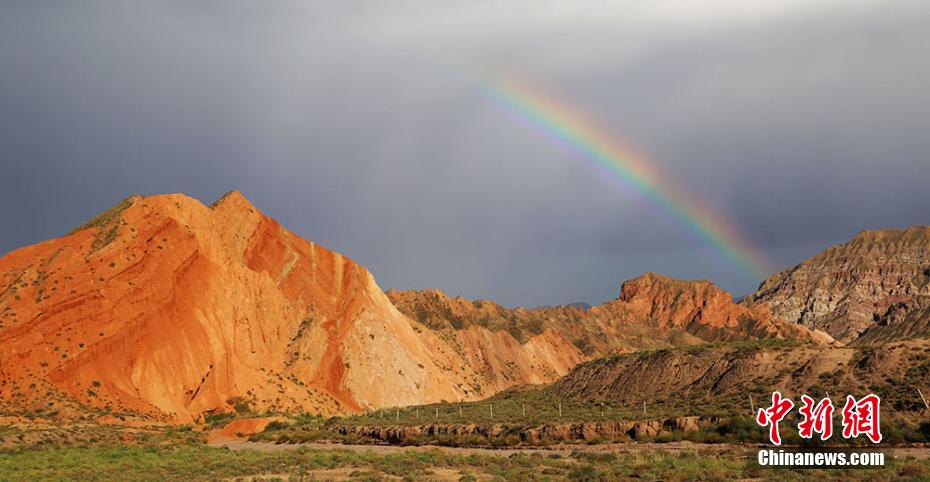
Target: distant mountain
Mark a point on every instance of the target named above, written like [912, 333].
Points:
[439, 311]
[577, 304]
[652, 311]
[876, 287]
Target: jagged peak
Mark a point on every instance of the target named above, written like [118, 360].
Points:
[233, 198]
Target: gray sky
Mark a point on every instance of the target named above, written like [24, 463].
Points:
[363, 126]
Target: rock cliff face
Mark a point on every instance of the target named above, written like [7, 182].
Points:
[701, 309]
[876, 286]
[165, 308]
[652, 311]
[540, 434]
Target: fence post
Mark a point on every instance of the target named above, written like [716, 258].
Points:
[492, 410]
[437, 413]
[922, 397]
[460, 411]
[397, 415]
[523, 406]
[560, 409]
[752, 406]
[644, 408]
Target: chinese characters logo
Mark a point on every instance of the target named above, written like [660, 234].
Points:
[859, 417]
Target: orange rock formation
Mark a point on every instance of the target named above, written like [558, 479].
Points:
[652, 311]
[166, 308]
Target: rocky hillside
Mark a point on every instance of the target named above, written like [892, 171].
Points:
[441, 312]
[718, 378]
[876, 287]
[652, 311]
[165, 308]
[700, 308]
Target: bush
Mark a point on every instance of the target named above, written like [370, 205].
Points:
[585, 473]
[278, 425]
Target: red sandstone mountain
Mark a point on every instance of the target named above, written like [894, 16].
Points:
[699, 308]
[652, 311]
[166, 308]
[876, 287]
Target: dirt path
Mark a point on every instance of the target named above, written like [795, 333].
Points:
[565, 450]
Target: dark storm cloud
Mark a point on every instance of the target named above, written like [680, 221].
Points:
[360, 125]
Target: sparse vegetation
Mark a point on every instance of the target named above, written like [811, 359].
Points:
[107, 223]
[723, 411]
[200, 462]
[107, 216]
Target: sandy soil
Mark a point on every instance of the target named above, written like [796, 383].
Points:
[236, 429]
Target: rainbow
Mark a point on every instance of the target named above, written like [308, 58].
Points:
[619, 162]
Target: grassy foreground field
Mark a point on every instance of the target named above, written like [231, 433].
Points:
[207, 463]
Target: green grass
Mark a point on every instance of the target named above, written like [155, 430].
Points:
[536, 407]
[204, 463]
